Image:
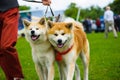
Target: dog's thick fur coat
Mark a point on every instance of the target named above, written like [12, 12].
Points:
[70, 38]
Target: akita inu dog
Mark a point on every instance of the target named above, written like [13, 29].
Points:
[69, 41]
[42, 51]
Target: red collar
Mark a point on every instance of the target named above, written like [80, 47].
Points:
[59, 54]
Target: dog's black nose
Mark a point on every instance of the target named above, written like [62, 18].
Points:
[59, 41]
[32, 32]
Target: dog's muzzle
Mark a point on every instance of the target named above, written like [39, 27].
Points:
[60, 43]
[33, 36]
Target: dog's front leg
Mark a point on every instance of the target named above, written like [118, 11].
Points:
[62, 71]
[50, 72]
[39, 72]
[70, 68]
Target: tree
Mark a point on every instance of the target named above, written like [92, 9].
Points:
[71, 11]
[115, 6]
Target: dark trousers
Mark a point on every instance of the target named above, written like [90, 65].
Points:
[9, 61]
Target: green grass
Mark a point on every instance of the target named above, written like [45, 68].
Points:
[104, 58]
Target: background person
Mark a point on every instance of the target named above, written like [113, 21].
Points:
[118, 22]
[98, 24]
[109, 21]
[87, 24]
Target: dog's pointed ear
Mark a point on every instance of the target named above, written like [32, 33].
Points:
[42, 21]
[69, 25]
[26, 22]
[49, 24]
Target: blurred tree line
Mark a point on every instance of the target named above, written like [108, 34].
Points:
[92, 12]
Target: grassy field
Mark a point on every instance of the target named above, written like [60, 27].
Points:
[104, 58]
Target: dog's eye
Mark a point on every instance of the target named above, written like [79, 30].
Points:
[63, 34]
[30, 28]
[37, 28]
[56, 34]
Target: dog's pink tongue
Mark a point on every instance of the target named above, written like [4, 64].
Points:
[34, 37]
[60, 45]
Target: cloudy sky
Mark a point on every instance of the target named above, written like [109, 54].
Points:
[63, 4]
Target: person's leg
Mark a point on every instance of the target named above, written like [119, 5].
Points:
[106, 28]
[87, 29]
[9, 61]
[118, 26]
[113, 28]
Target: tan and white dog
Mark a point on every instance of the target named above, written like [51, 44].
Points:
[70, 42]
[42, 51]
